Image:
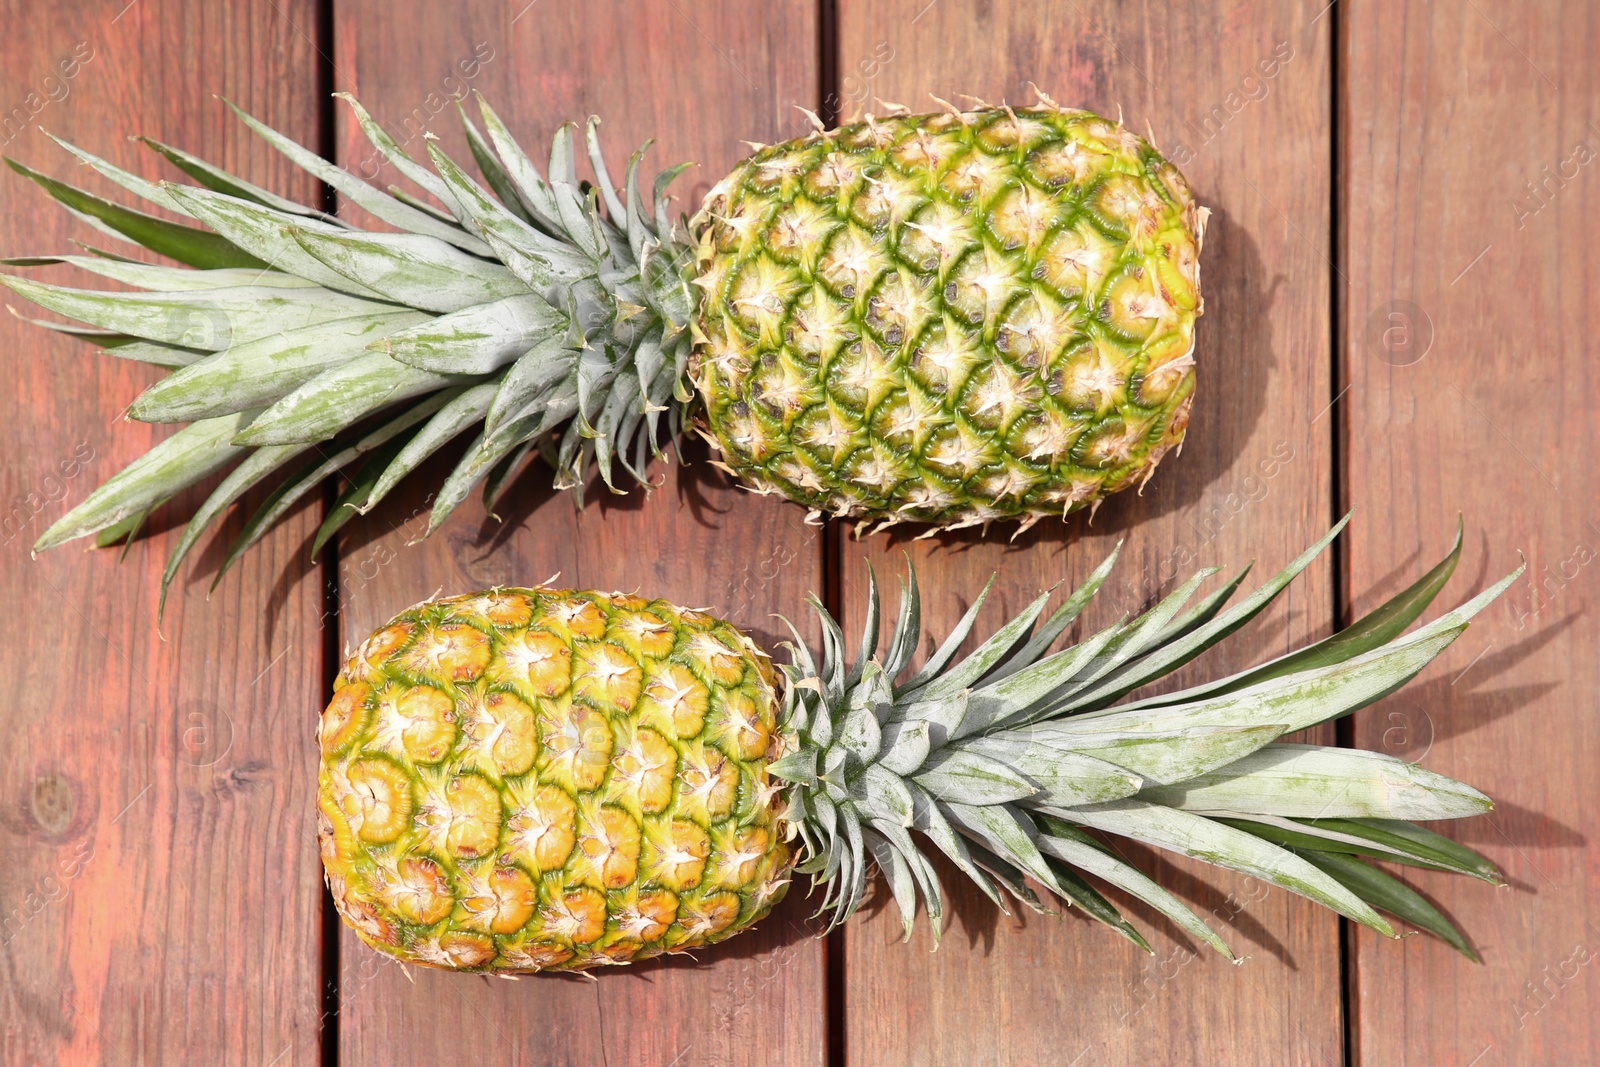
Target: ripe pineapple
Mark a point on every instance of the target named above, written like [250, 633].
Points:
[535, 779]
[532, 779]
[950, 318]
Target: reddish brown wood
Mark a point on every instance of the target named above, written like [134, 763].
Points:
[700, 77]
[162, 900]
[1453, 110]
[1253, 482]
[161, 893]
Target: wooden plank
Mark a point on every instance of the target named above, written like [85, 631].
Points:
[700, 77]
[1469, 205]
[161, 897]
[1253, 482]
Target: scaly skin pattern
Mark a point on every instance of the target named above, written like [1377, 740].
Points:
[949, 318]
[531, 779]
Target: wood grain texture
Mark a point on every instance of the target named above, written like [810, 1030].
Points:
[162, 897]
[161, 894]
[1469, 210]
[700, 77]
[1253, 481]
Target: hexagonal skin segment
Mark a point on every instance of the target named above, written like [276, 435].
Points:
[378, 648]
[417, 889]
[344, 718]
[642, 773]
[543, 827]
[606, 675]
[534, 779]
[471, 817]
[537, 662]
[376, 797]
[501, 902]
[417, 722]
[706, 918]
[577, 916]
[500, 735]
[576, 744]
[608, 847]
[675, 702]
[675, 853]
[453, 651]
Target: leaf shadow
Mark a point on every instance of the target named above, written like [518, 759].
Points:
[1451, 709]
[1518, 826]
[1405, 929]
[1230, 918]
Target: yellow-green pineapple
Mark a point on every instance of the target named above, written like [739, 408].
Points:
[951, 319]
[538, 779]
[532, 779]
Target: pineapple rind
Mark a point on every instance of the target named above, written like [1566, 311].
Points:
[950, 318]
[537, 779]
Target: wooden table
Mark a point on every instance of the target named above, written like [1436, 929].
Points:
[1401, 287]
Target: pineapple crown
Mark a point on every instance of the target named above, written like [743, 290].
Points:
[302, 345]
[1006, 757]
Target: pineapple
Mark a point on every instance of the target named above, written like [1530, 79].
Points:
[531, 779]
[952, 318]
[535, 779]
